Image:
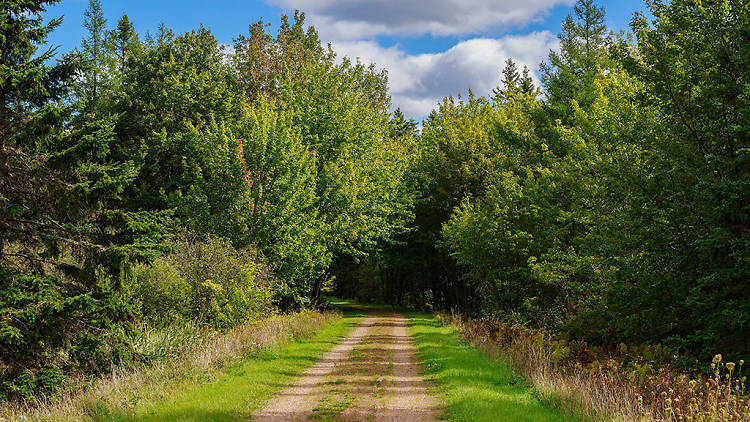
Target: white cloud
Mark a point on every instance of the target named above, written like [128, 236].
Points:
[419, 81]
[360, 19]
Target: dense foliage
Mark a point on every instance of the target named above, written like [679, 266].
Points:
[65, 237]
[270, 173]
[168, 180]
[614, 208]
[210, 283]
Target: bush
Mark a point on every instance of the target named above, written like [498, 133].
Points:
[210, 283]
[157, 293]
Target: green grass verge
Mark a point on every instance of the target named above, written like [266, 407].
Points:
[473, 386]
[242, 387]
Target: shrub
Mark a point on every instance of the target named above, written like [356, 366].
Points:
[210, 283]
[157, 293]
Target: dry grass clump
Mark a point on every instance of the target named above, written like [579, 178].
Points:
[124, 388]
[720, 397]
[629, 384]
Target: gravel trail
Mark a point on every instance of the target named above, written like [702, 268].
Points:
[372, 375]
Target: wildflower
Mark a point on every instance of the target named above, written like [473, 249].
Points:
[717, 359]
[730, 366]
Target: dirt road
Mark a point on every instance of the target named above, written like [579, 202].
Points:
[370, 376]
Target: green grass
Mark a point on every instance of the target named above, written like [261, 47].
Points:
[473, 386]
[243, 387]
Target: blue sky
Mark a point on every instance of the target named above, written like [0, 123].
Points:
[432, 48]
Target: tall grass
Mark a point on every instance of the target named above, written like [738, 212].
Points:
[611, 388]
[474, 387]
[184, 353]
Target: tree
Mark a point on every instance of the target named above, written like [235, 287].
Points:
[174, 109]
[570, 73]
[400, 127]
[64, 239]
[97, 47]
[281, 205]
[692, 62]
[341, 110]
[125, 40]
[510, 83]
[177, 81]
[527, 84]
[453, 161]
[260, 58]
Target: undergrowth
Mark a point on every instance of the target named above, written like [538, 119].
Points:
[632, 383]
[179, 354]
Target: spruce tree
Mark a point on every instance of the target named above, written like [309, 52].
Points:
[64, 240]
[510, 75]
[97, 49]
[510, 83]
[125, 39]
[527, 83]
[400, 126]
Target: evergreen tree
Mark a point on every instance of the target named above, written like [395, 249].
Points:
[125, 40]
[26, 103]
[164, 34]
[97, 49]
[527, 84]
[400, 126]
[510, 83]
[570, 73]
[64, 239]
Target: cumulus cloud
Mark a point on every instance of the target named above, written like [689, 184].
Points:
[359, 19]
[419, 81]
